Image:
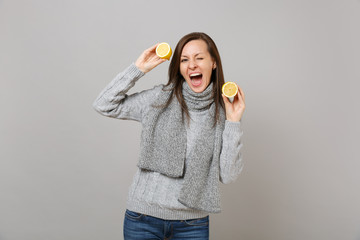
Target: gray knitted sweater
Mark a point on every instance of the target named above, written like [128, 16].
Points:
[152, 193]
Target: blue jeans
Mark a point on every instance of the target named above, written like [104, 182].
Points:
[140, 226]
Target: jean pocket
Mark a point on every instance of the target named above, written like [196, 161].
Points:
[133, 215]
[198, 222]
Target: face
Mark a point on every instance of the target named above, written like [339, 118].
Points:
[196, 65]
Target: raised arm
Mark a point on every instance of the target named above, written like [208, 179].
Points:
[114, 102]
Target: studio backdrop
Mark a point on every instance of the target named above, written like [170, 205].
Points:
[65, 170]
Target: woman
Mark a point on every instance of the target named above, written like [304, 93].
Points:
[188, 141]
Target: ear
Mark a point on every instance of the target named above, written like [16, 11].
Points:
[214, 65]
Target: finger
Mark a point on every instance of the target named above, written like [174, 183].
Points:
[159, 61]
[239, 96]
[226, 100]
[152, 48]
[241, 93]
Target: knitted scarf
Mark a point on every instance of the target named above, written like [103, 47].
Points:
[163, 147]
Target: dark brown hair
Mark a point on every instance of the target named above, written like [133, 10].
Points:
[175, 77]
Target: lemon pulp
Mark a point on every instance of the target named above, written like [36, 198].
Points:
[229, 89]
[163, 50]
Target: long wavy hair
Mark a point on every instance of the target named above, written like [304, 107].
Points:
[175, 77]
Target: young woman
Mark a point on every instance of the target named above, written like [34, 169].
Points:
[190, 140]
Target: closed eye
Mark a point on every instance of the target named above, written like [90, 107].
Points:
[183, 60]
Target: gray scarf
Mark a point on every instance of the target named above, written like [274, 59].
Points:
[163, 147]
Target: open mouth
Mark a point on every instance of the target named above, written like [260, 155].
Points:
[196, 79]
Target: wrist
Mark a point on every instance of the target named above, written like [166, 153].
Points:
[233, 119]
[140, 68]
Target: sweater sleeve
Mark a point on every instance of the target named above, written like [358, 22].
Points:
[114, 102]
[231, 162]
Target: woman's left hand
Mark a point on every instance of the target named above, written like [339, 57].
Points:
[234, 110]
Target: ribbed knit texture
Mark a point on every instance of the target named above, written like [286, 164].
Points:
[163, 147]
[152, 193]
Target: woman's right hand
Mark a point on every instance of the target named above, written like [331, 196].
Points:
[148, 60]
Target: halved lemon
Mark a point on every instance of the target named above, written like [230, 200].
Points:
[163, 50]
[229, 89]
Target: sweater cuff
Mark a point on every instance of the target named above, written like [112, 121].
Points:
[233, 126]
[134, 72]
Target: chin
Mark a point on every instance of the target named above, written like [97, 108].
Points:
[198, 90]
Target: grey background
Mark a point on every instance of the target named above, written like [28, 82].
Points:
[65, 170]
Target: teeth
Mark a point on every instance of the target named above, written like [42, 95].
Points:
[195, 74]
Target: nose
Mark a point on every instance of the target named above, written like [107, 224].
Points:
[192, 64]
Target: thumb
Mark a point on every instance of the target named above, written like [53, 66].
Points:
[226, 100]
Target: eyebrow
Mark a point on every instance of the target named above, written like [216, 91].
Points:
[195, 54]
